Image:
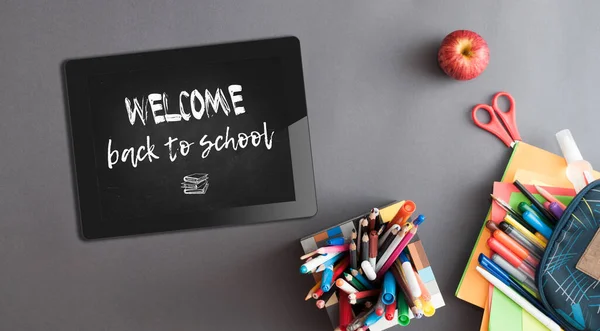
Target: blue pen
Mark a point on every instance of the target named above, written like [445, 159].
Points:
[327, 279]
[388, 294]
[362, 279]
[372, 318]
[335, 241]
[420, 219]
[499, 273]
[537, 224]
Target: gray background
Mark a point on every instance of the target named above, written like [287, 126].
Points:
[385, 124]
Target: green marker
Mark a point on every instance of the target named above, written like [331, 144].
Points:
[402, 306]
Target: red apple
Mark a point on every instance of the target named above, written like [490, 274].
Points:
[463, 55]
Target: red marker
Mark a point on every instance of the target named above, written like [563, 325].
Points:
[345, 310]
[516, 248]
[390, 311]
[511, 257]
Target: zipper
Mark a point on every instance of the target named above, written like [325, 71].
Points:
[551, 241]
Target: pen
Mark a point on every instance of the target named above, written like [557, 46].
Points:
[509, 256]
[516, 248]
[518, 237]
[538, 224]
[534, 201]
[530, 236]
[514, 272]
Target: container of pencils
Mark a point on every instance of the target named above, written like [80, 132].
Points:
[371, 272]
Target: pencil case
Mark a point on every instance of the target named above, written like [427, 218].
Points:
[570, 295]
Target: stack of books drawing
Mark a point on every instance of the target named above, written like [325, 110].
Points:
[195, 183]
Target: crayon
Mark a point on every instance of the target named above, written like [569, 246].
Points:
[514, 272]
[354, 282]
[402, 307]
[343, 285]
[523, 207]
[337, 271]
[511, 211]
[353, 257]
[335, 241]
[314, 263]
[323, 299]
[521, 239]
[373, 247]
[527, 234]
[388, 294]
[330, 261]
[373, 218]
[549, 197]
[403, 213]
[556, 210]
[364, 248]
[395, 243]
[327, 279]
[509, 256]
[407, 238]
[397, 272]
[325, 250]
[534, 201]
[394, 231]
[390, 311]
[361, 279]
[409, 276]
[345, 310]
[368, 270]
[516, 248]
[538, 224]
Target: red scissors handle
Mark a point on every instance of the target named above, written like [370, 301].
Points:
[508, 117]
[493, 126]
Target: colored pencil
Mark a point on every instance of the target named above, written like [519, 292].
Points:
[343, 285]
[388, 241]
[345, 310]
[360, 235]
[373, 247]
[407, 238]
[397, 273]
[514, 296]
[509, 210]
[312, 290]
[353, 257]
[330, 261]
[379, 225]
[362, 279]
[315, 262]
[386, 234]
[392, 247]
[425, 295]
[364, 248]
[354, 282]
[534, 201]
[549, 197]
[364, 294]
[326, 250]
[373, 218]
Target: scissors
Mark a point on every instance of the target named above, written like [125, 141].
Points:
[502, 124]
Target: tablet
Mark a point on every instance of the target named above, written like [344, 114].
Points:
[189, 138]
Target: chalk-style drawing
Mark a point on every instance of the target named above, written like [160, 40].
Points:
[196, 183]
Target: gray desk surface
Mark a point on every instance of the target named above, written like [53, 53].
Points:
[385, 122]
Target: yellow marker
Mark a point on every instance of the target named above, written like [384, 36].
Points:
[428, 309]
[530, 236]
[540, 237]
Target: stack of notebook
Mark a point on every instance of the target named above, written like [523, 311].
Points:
[195, 183]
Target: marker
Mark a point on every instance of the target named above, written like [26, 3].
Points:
[354, 282]
[343, 285]
[337, 271]
[345, 310]
[549, 197]
[538, 224]
[516, 248]
[371, 319]
[404, 213]
[373, 247]
[534, 201]
[379, 307]
[368, 270]
[327, 279]
[373, 218]
[509, 256]
[542, 238]
[518, 237]
[314, 263]
[362, 279]
[330, 261]
[409, 275]
[407, 238]
[393, 245]
[390, 311]
[420, 219]
[363, 295]
[388, 241]
[545, 320]
[428, 309]
[530, 236]
[335, 241]
[325, 250]
[514, 272]
[388, 294]
[556, 210]
[523, 207]
[364, 247]
[323, 300]
[402, 307]
[509, 210]
[397, 272]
